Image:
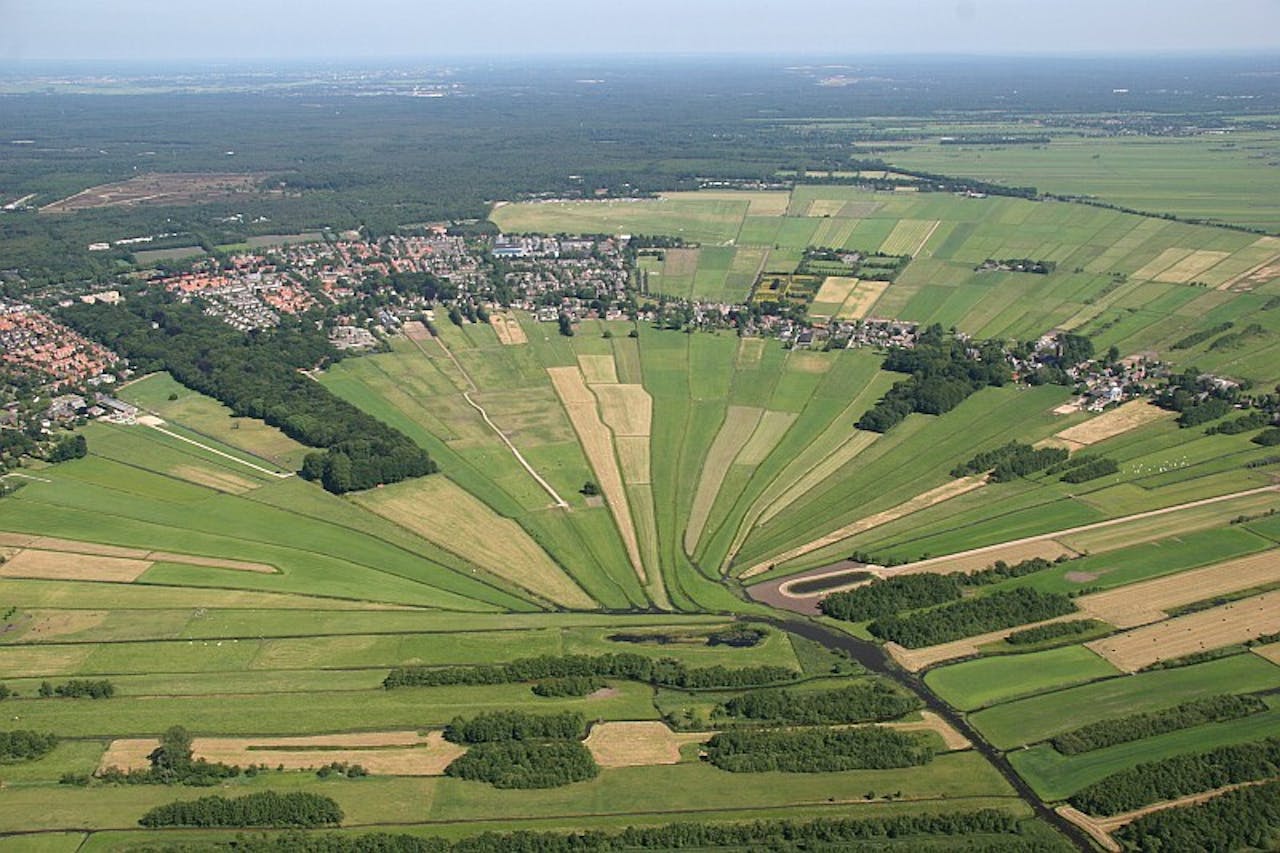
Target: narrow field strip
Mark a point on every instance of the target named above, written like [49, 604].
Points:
[1114, 422]
[857, 442]
[736, 429]
[154, 423]
[508, 329]
[914, 660]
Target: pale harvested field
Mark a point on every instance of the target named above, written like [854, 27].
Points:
[46, 625]
[750, 351]
[808, 362]
[857, 442]
[61, 565]
[638, 744]
[909, 236]
[821, 207]
[1195, 264]
[223, 481]
[1175, 523]
[377, 752]
[598, 369]
[1114, 422]
[914, 660]
[1214, 628]
[835, 289]
[759, 202]
[1015, 552]
[739, 423]
[34, 660]
[442, 512]
[772, 426]
[597, 443]
[211, 562]
[1160, 263]
[1271, 652]
[53, 543]
[508, 329]
[633, 454]
[680, 262]
[415, 330]
[627, 409]
[159, 188]
[931, 722]
[862, 300]
[1147, 601]
[945, 492]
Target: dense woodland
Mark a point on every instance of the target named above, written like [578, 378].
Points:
[971, 616]
[1180, 775]
[818, 750]
[888, 596]
[262, 808]
[1244, 819]
[526, 764]
[667, 672]
[863, 702]
[260, 376]
[25, 745]
[516, 725]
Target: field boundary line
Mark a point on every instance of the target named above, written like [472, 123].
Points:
[217, 452]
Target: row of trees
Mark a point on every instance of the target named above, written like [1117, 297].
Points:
[516, 725]
[870, 834]
[1053, 631]
[1104, 733]
[25, 745]
[1256, 419]
[666, 672]
[1011, 461]
[526, 764]
[1179, 776]
[569, 685]
[260, 376]
[817, 750]
[965, 618]
[78, 688]
[863, 702]
[1091, 469]
[264, 808]
[172, 763]
[943, 374]
[1201, 336]
[1244, 819]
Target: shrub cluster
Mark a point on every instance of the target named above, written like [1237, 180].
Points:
[1268, 437]
[888, 596]
[1179, 776]
[1201, 336]
[78, 688]
[1244, 819]
[870, 834]
[667, 672]
[24, 745]
[1098, 466]
[816, 750]
[569, 685]
[525, 764]
[1138, 726]
[1011, 461]
[264, 808]
[1256, 419]
[1052, 631]
[1002, 571]
[516, 725]
[1004, 609]
[866, 701]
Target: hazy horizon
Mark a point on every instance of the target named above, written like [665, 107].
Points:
[147, 31]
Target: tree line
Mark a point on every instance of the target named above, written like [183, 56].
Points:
[1052, 631]
[1179, 776]
[516, 725]
[995, 830]
[1243, 819]
[78, 688]
[943, 374]
[260, 375]
[1085, 467]
[817, 750]
[1211, 709]
[965, 618]
[667, 672]
[569, 685]
[1011, 461]
[863, 702]
[263, 808]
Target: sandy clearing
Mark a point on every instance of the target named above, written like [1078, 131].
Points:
[638, 744]
[1114, 422]
[508, 329]
[633, 455]
[1197, 263]
[598, 369]
[1214, 628]
[1091, 826]
[382, 753]
[442, 512]
[1147, 601]
[1048, 549]
[835, 289]
[736, 429]
[597, 443]
[1258, 273]
[626, 409]
[862, 300]
[945, 492]
[914, 660]
[415, 330]
[61, 565]
[222, 481]
[857, 442]
[212, 562]
[772, 427]
[931, 722]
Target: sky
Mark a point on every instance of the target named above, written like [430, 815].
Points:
[365, 29]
